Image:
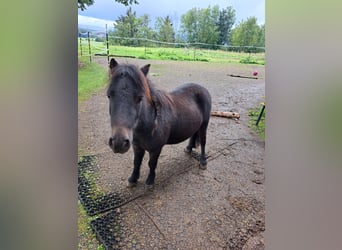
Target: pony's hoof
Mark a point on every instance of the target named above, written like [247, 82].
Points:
[132, 184]
[150, 180]
[188, 151]
[203, 166]
[150, 187]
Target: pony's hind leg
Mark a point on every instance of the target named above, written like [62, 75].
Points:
[203, 140]
[192, 143]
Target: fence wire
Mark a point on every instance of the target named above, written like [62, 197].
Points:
[88, 46]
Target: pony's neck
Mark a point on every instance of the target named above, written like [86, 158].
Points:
[148, 118]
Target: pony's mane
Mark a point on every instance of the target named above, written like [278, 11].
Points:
[135, 74]
[161, 98]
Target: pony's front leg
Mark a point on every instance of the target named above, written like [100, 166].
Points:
[152, 163]
[138, 157]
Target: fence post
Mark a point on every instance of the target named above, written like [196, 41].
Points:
[107, 45]
[260, 114]
[81, 45]
[89, 47]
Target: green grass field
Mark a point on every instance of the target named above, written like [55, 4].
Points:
[168, 53]
[91, 77]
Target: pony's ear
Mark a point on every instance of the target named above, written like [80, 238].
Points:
[113, 63]
[145, 69]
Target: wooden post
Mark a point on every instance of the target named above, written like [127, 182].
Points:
[227, 114]
[89, 47]
[81, 45]
[107, 45]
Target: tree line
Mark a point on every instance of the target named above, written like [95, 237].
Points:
[210, 25]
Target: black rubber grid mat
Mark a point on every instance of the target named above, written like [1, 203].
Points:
[108, 229]
[94, 200]
[108, 226]
[127, 228]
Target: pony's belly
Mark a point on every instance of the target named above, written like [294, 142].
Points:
[173, 140]
[182, 134]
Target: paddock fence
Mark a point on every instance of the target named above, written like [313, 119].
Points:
[114, 46]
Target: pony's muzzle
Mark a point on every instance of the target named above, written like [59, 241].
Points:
[120, 141]
[119, 144]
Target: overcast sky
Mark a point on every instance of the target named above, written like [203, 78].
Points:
[110, 10]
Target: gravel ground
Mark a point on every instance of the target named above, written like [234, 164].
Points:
[222, 207]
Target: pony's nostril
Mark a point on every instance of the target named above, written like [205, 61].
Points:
[110, 142]
[126, 143]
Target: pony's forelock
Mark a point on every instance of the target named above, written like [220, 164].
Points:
[136, 74]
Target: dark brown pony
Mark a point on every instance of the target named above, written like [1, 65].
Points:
[148, 118]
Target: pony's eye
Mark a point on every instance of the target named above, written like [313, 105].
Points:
[108, 96]
[138, 99]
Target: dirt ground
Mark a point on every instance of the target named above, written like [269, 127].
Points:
[222, 207]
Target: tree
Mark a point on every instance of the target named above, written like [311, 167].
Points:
[225, 24]
[126, 26]
[164, 29]
[261, 36]
[131, 26]
[200, 25]
[208, 30]
[144, 30]
[189, 25]
[246, 33]
[83, 4]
